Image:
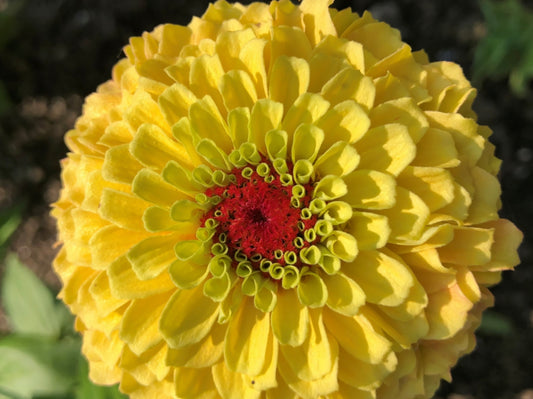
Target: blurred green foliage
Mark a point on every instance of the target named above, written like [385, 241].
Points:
[507, 48]
[41, 358]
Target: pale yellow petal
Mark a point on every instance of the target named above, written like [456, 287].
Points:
[314, 358]
[202, 354]
[246, 339]
[194, 383]
[142, 333]
[384, 280]
[231, 385]
[182, 328]
[290, 319]
[369, 189]
[125, 284]
[344, 294]
[388, 148]
[357, 336]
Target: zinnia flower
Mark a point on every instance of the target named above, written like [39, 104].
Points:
[279, 201]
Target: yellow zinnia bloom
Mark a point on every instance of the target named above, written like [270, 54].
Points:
[279, 201]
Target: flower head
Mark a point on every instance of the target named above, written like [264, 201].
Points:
[279, 201]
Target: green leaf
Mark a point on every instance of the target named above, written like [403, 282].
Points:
[506, 48]
[494, 323]
[87, 390]
[31, 366]
[30, 306]
[10, 218]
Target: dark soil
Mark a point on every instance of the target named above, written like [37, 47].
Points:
[55, 52]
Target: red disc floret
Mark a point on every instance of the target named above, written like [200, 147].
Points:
[257, 217]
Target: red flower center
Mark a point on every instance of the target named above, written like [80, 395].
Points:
[257, 218]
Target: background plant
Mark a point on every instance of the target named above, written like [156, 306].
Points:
[506, 51]
[41, 358]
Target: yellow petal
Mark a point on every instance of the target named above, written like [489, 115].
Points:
[266, 115]
[125, 284]
[330, 187]
[252, 56]
[470, 246]
[144, 110]
[276, 144]
[267, 379]
[204, 353]
[347, 391]
[153, 148]
[151, 187]
[173, 38]
[407, 218]
[370, 230]
[142, 367]
[340, 159]
[158, 219]
[119, 165]
[306, 142]
[246, 339]
[110, 242]
[317, 20]
[359, 374]
[314, 358]
[504, 254]
[142, 333]
[342, 245]
[181, 178]
[209, 150]
[117, 133]
[229, 45]
[289, 41]
[379, 38]
[387, 148]
[103, 353]
[100, 290]
[150, 257]
[464, 132]
[180, 327]
[344, 294]
[346, 121]
[433, 185]
[331, 56]
[194, 383]
[238, 90]
[436, 149]
[403, 111]
[122, 209]
[350, 84]
[384, 280]
[205, 73]
[188, 274]
[447, 312]
[486, 200]
[207, 122]
[290, 319]
[231, 385]
[175, 102]
[307, 108]
[288, 79]
[312, 290]
[357, 336]
[370, 189]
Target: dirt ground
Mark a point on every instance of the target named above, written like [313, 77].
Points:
[55, 52]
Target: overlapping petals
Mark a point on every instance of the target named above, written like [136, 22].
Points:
[279, 201]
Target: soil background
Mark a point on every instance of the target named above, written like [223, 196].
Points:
[55, 52]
